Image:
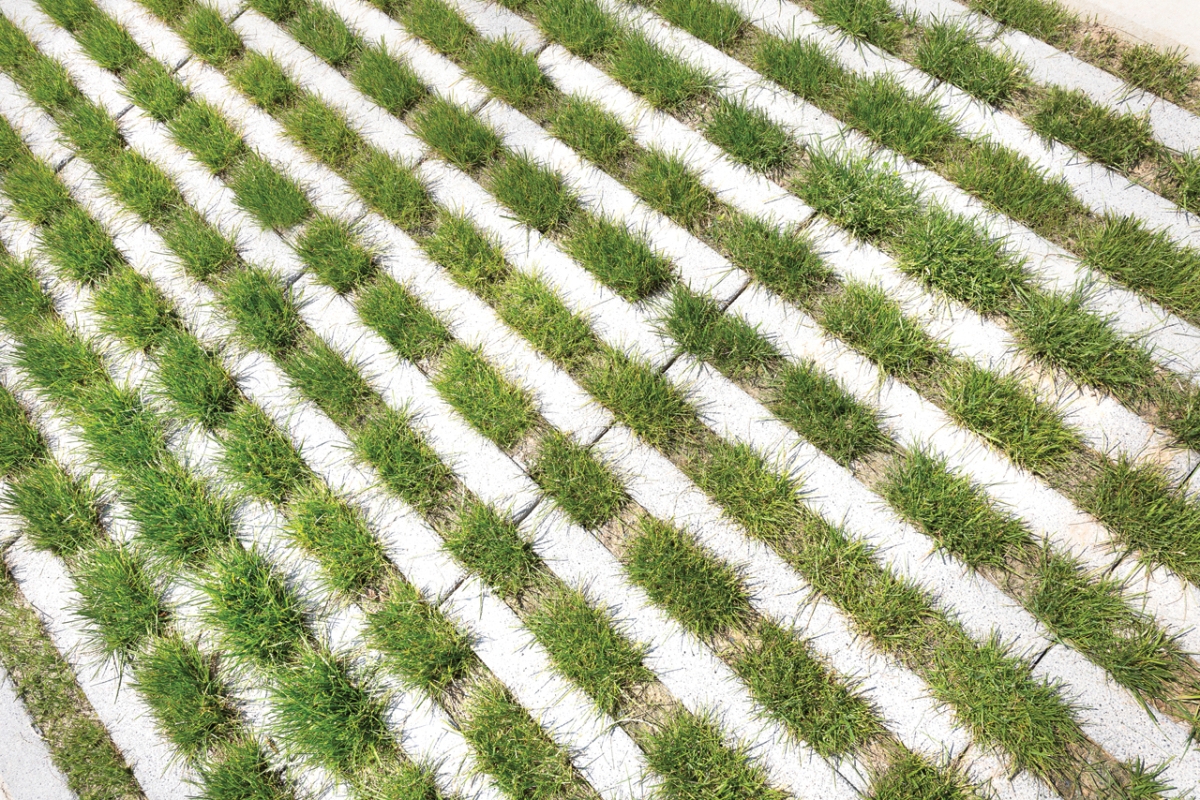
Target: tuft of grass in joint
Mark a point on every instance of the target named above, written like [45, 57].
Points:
[699, 327]
[1165, 73]
[1041, 19]
[953, 53]
[264, 81]
[210, 37]
[118, 601]
[825, 414]
[441, 26]
[388, 80]
[391, 189]
[802, 66]
[271, 197]
[456, 134]
[1117, 140]
[202, 250]
[619, 258]
[331, 249]
[513, 749]
[802, 692]
[324, 714]
[335, 533]
[323, 132]
[491, 545]
[540, 316]
[1139, 505]
[151, 87]
[145, 188]
[494, 406]
[668, 184]
[195, 381]
[242, 772]
[578, 482]
[201, 130]
[911, 776]
[642, 399]
[265, 318]
[407, 464]
[947, 252]
[691, 756]
[873, 203]
[784, 260]
[182, 518]
[584, 645]
[418, 641]
[872, 323]
[186, 695]
[260, 458]
[108, 43]
[591, 131]
[749, 136]
[472, 259]
[60, 514]
[20, 443]
[35, 191]
[664, 80]
[578, 25]
[899, 120]
[135, 311]
[398, 317]
[1009, 182]
[956, 513]
[712, 21]
[704, 594]
[330, 381]
[512, 74]
[80, 247]
[1061, 331]
[874, 21]
[323, 31]
[1146, 261]
[257, 616]
[537, 195]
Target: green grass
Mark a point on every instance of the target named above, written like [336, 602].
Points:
[952, 53]
[118, 601]
[260, 458]
[583, 487]
[872, 323]
[784, 260]
[494, 406]
[210, 37]
[59, 513]
[1041, 19]
[335, 533]
[956, 513]
[323, 31]
[1165, 73]
[802, 66]
[642, 399]
[20, 443]
[417, 641]
[668, 184]
[273, 199]
[578, 25]
[1082, 344]
[825, 414]
[701, 328]
[907, 123]
[201, 249]
[618, 257]
[333, 383]
[714, 22]
[749, 137]
[400, 318]
[947, 252]
[186, 695]
[513, 749]
[46, 685]
[195, 381]
[257, 616]
[704, 594]
[804, 694]
[145, 189]
[388, 80]
[391, 189]
[153, 88]
[406, 462]
[265, 318]
[264, 82]
[1146, 261]
[591, 131]
[1138, 505]
[80, 247]
[537, 195]
[584, 645]
[691, 756]
[35, 191]
[135, 311]
[182, 518]
[322, 131]
[663, 80]
[470, 256]
[332, 249]
[438, 24]
[1116, 140]
[202, 131]
[323, 714]
[911, 776]
[491, 545]
[243, 772]
[537, 313]
[871, 20]
[456, 134]
[512, 74]
[870, 202]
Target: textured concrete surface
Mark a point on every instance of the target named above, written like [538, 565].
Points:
[1167, 23]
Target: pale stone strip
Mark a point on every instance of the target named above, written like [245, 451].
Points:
[27, 770]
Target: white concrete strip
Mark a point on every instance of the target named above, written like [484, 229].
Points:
[27, 770]
[1175, 127]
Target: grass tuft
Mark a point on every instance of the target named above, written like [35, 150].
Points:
[1117, 140]
[331, 249]
[398, 317]
[618, 257]
[712, 21]
[579, 483]
[873, 203]
[1165, 73]
[336, 534]
[699, 327]
[872, 323]
[1041, 19]
[491, 545]
[578, 25]
[668, 184]
[642, 399]
[257, 616]
[540, 316]
[691, 756]
[874, 21]
[494, 406]
[537, 195]
[323, 31]
[60, 513]
[749, 137]
[118, 601]
[456, 134]
[269, 195]
[826, 415]
[266, 318]
[186, 695]
[421, 644]
[260, 458]
[407, 464]
[899, 120]
[512, 74]
[953, 53]
[210, 37]
[200, 129]
[591, 131]
[664, 80]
